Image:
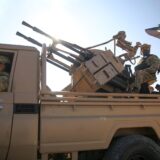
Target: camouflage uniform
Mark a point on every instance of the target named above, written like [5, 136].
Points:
[4, 76]
[4, 80]
[146, 70]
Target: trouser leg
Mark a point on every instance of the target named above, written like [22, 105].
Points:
[142, 77]
[139, 79]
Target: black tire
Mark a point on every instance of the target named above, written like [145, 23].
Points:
[133, 147]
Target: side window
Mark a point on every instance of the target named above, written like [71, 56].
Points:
[6, 59]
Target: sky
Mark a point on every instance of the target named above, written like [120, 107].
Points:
[84, 22]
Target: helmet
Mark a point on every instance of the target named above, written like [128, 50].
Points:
[4, 59]
[145, 47]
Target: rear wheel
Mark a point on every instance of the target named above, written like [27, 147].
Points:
[134, 147]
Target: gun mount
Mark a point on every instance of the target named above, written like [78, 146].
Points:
[92, 70]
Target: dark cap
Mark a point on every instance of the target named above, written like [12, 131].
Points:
[157, 85]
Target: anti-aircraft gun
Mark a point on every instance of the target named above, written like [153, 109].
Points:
[91, 70]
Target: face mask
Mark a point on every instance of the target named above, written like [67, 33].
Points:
[146, 53]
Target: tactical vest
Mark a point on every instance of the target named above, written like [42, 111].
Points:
[143, 63]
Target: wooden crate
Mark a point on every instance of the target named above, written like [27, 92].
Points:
[96, 72]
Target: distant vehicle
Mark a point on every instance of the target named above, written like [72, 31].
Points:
[155, 31]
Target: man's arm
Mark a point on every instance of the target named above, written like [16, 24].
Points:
[154, 62]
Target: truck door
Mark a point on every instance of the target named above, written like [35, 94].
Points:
[6, 110]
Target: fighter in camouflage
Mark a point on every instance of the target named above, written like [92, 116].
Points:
[4, 76]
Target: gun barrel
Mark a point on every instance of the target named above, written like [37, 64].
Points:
[27, 24]
[58, 65]
[86, 54]
[29, 39]
[37, 30]
[97, 45]
[51, 57]
[65, 57]
[70, 54]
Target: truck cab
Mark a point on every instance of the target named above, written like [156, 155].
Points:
[19, 105]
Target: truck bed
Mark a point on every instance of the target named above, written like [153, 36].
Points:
[88, 121]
